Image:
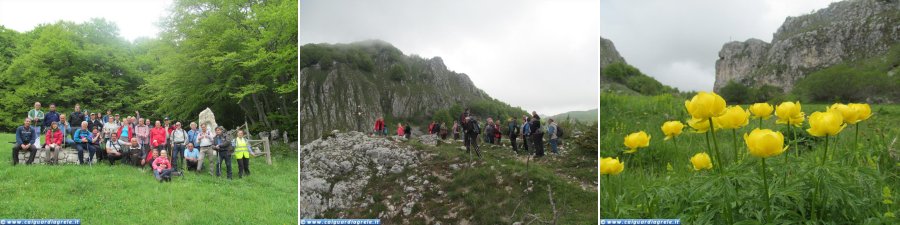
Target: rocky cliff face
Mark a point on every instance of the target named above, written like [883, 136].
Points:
[348, 86]
[845, 31]
[608, 54]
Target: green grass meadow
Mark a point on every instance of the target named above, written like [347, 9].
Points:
[122, 194]
[858, 184]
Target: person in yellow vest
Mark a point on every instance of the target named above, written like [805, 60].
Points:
[242, 152]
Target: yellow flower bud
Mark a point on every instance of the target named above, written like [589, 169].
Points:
[765, 143]
[636, 140]
[705, 105]
[762, 110]
[672, 129]
[789, 113]
[701, 161]
[734, 117]
[825, 123]
[611, 166]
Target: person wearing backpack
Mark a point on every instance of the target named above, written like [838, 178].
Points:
[470, 125]
[537, 135]
[379, 127]
[554, 139]
[526, 133]
[512, 129]
[456, 129]
[407, 131]
[497, 133]
[489, 131]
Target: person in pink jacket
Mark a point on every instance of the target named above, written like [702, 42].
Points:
[162, 168]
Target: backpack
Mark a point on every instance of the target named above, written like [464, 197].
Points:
[476, 127]
[559, 132]
[513, 130]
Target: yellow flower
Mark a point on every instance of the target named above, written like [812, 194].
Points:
[765, 143]
[762, 110]
[701, 125]
[672, 129]
[701, 161]
[611, 166]
[825, 123]
[705, 105]
[789, 113]
[849, 114]
[636, 140]
[863, 111]
[734, 117]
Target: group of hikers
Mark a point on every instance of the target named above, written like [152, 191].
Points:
[468, 128]
[131, 140]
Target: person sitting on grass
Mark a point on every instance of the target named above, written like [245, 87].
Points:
[162, 167]
[83, 139]
[190, 156]
[151, 156]
[25, 139]
[134, 153]
[53, 143]
[113, 151]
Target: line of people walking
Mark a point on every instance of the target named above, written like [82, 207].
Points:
[530, 132]
[131, 140]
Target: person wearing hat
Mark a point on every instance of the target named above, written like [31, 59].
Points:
[36, 115]
[94, 122]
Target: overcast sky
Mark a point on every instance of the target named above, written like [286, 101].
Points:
[678, 42]
[135, 18]
[539, 55]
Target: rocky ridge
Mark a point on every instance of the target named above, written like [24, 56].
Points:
[844, 31]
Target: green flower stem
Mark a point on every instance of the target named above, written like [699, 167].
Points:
[825, 154]
[760, 123]
[856, 142]
[712, 131]
[765, 189]
[734, 140]
[709, 148]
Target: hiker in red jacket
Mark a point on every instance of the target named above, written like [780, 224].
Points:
[379, 126]
[158, 137]
[400, 130]
[53, 141]
[431, 128]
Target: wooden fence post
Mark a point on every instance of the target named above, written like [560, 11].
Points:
[268, 151]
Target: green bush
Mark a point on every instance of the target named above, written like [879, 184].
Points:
[735, 93]
[620, 71]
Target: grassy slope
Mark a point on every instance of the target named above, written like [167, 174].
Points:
[646, 189]
[477, 195]
[125, 195]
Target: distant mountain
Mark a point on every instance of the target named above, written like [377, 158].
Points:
[348, 86]
[618, 76]
[849, 51]
[582, 116]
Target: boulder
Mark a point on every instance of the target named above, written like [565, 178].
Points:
[207, 117]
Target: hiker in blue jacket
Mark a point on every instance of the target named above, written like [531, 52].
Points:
[82, 138]
[25, 139]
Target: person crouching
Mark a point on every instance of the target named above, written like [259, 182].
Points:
[162, 167]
